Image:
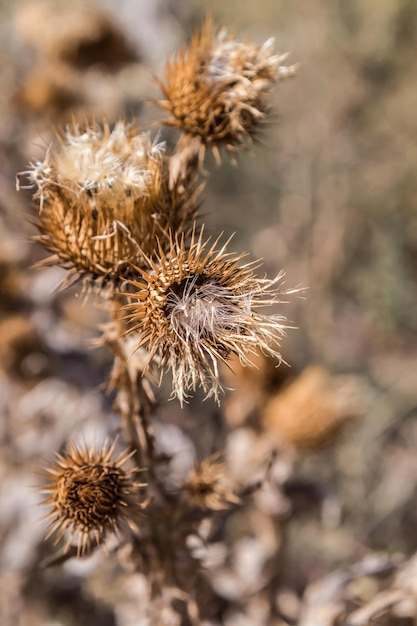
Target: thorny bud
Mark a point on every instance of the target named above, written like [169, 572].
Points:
[91, 495]
[208, 486]
[217, 89]
[196, 306]
[104, 196]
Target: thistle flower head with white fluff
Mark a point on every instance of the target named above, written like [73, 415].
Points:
[104, 195]
[196, 306]
[218, 89]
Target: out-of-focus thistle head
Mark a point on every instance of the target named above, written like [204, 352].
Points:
[196, 306]
[104, 196]
[217, 89]
[91, 495]
[208, 486]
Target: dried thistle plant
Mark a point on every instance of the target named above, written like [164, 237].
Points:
[217, 90]
[103, 198]
[196, 306]
[91, 495]
[117, 208]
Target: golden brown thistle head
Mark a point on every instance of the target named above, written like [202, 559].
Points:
[311, 411]
[91, 495]
[217, 89]
[209, 487]
[196, 306]
[104, 196]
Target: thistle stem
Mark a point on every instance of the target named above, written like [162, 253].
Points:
[132, 399]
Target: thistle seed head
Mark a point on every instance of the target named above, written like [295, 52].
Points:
[90, 495]
[104, 195]
[196, 306]
[218, 89]
[208, 486]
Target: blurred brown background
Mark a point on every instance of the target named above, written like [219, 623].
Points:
[329, 194]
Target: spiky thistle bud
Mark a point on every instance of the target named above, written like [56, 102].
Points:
[218, 89]
[104, 196]
[91, 495]
[196, 306]
[209, 487]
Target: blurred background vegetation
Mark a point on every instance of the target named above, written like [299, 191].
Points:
[329, 194]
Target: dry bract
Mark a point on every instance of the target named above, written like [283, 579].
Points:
[90, 495]
[103, 198]
[195, 306]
